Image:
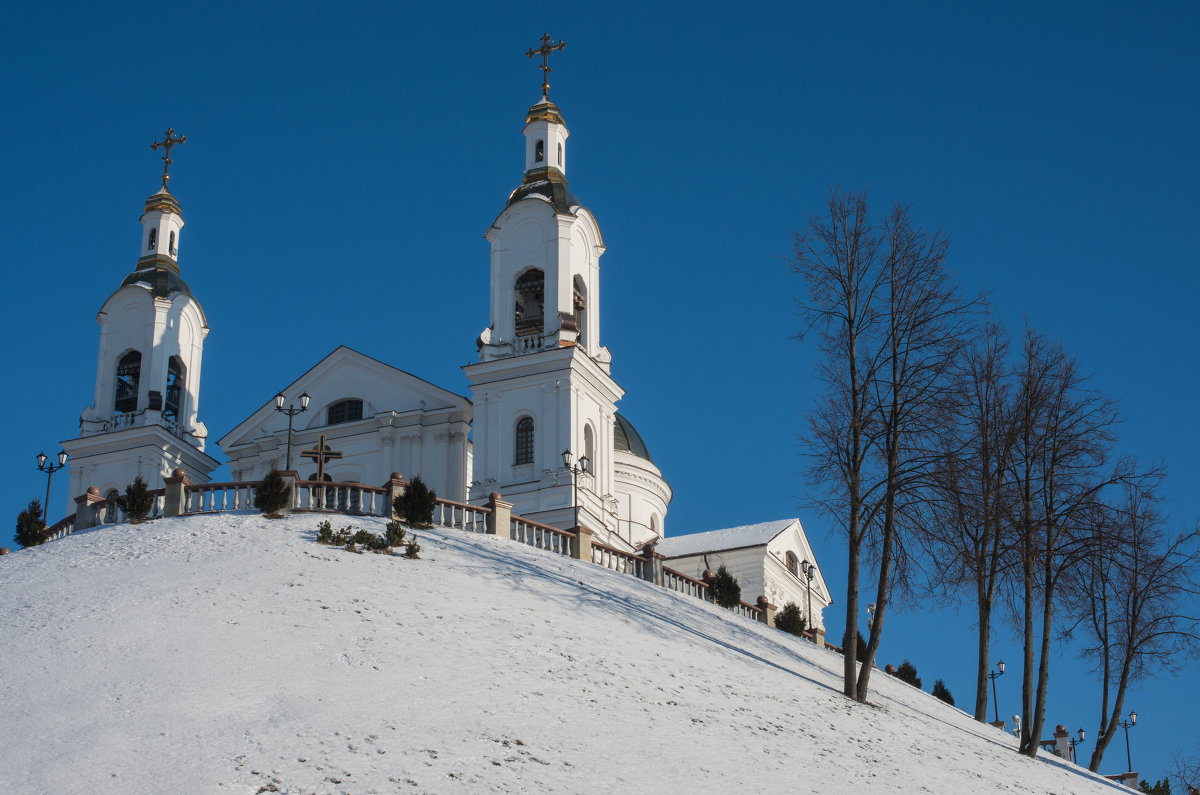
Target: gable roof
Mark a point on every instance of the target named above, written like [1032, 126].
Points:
[750, 535]
[341, 357]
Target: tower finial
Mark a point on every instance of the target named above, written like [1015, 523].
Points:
[545, 51]
[169, 140]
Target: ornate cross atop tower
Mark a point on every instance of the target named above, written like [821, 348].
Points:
[168, 141]
[545, 51]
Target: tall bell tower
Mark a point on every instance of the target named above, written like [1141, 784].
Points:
[542, 383]
[144, 416]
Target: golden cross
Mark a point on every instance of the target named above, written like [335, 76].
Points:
[321, 453]
[545, 51]
[168, 141]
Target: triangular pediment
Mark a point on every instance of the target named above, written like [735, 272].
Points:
[346, 374]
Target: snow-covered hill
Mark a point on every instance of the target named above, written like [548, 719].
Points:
[229, 653]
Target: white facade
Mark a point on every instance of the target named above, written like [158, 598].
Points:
[144, 418]
[543, 382]
[765, 559]
[381, 419]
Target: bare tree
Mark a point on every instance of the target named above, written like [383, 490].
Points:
[838, 258]
[1060, 467]
[1187, 770]
[1131, 596]
[891, 324]
[967, 530]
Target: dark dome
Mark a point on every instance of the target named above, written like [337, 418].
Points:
[558, 194]
[626, 439]
[162, 281]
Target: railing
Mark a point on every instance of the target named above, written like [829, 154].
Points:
[542, 536]
[679, 582]
[617, 560]
[63, 527]
[316, 495]
[209, 497]
[752, 612]
[460, 515]
[527, 344]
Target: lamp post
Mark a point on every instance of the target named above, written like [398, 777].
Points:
[50, 469]
[291, 411]
[1081, 734]
[1125, 724]
[993, 675]
[575, 471]
[810, 571]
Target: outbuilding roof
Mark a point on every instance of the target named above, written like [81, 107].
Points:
[750, 535]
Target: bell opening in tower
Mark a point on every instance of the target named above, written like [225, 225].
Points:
[129, 370]
[530, 292]
[174, 390]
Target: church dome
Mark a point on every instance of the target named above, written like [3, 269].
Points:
[160, 281]
[626, 439]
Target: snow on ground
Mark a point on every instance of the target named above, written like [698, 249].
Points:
[230, 653]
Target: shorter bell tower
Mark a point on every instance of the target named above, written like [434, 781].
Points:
[144, 417]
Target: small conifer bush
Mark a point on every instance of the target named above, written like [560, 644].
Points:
[273, 494]
[395, 534]
[31, 528]
[411, 548]
[907, 672]
[941, 691]
[137, 501]
[363, 537]
[415, 505]
[724, 589]
[789, 619]
[327, 535]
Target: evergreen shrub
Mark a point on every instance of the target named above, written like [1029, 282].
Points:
[31, 528]
[273, 494]
[941, 691]
[907, 672]
[724, 589]
[411, 548]
[415, 505]
[789, 619]
[138, 501]
[395, 534]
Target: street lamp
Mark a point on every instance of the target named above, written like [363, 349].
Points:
[575, 471]
[1081, 734]
[50, 469]
[993, 675]
[291, 411]
[1125, 724]
[810, 571]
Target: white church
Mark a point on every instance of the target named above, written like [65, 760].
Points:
[540, 423]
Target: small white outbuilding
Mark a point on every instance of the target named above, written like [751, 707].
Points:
[773, 559]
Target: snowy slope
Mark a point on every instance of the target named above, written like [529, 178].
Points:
[229, 653]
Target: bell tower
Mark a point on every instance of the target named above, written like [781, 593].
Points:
[144, 417]
[542, 384]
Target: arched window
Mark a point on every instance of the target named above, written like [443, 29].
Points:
[530, 290]
[524, 441]
[153, 239]
[129, 371]
[112, 511]
[793, 563]
[589, 446]
[174, 391]
[654, 524]
[579, 300]
[172, 244]
[539, 151]
[344, 411]
[560, 154]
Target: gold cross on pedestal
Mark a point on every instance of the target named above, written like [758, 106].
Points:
[321, 453]
[545, 51]
[168, 141]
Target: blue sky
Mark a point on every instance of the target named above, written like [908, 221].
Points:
[344, 161]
